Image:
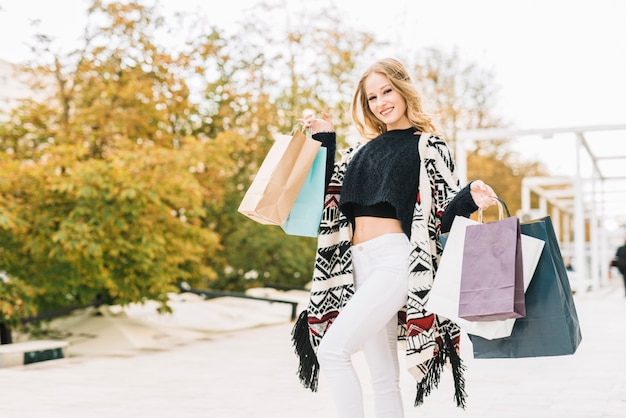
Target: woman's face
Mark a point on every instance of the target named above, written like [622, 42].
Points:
[386, 103]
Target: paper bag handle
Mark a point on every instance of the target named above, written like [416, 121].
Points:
[501, 208]
[308, 132]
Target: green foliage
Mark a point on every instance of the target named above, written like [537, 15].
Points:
[252, 253]
[127, 228]
[16, 301]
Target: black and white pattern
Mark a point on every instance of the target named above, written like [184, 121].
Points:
[430, 340]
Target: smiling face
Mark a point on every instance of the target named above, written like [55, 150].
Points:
[385, 102]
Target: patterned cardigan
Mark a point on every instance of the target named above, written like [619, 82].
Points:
[430, 340]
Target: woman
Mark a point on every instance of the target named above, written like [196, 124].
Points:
[387, 202]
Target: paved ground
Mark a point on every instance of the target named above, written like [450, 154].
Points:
[251, 373]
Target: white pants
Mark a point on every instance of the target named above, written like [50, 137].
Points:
[369, 321]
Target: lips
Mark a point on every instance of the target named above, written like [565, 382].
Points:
[386, 111]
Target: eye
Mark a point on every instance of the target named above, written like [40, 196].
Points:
[371, 98]
[387, 91]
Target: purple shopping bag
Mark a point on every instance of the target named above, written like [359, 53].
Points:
[492, 281]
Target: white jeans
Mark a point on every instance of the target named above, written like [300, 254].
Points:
[369, 321]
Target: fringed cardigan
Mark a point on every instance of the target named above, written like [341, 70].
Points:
[430, 340]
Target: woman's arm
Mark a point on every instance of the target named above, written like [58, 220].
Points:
[449, 200]
[461, 205]
[476, 195]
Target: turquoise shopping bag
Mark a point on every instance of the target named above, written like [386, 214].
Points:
[306, 213]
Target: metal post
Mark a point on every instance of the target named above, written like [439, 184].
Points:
[580, 265]
[556, 221]
[603, 239]
[593, 239]
[5, 334]
[566, 244]
[543, 205]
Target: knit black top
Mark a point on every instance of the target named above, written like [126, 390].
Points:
[385, 169]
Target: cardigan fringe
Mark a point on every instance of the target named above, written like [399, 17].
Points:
[458, 369]
[431, 379]
[308, 369]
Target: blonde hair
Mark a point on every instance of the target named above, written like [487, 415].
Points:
[367, 124]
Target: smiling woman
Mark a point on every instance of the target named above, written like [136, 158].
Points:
[388, 199]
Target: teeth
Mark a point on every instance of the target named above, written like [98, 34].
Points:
[386, 112]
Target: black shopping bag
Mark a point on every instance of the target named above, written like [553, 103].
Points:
[551, 326]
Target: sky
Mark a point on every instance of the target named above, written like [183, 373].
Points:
[556, 63]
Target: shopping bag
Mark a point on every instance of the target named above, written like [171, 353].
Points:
[492, 282]
[531, 250]
[306, 213]
[443, 298]
[551, 326]
[271, 196]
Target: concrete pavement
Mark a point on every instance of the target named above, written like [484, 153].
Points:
[251, 373]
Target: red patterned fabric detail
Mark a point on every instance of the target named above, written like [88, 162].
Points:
[418, 325]
[318, 326]
[331, 202]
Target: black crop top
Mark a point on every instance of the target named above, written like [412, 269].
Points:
[377, 210]
[384, 170]
[461, 205]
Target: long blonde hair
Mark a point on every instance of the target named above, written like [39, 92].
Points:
[367, 124]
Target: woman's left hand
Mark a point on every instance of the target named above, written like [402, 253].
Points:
[483, 195]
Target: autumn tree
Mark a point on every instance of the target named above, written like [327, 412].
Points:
[263, 79]
[125, 179]
[462, 96]
[104, 188]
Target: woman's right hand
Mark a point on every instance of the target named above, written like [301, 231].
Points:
[323, 124]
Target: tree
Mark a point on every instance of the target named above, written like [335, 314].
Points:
[261, 80]
[123, 229]
[104, 191]
[463, 97]
[16, 296]
[119, 89]
[127, 179]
